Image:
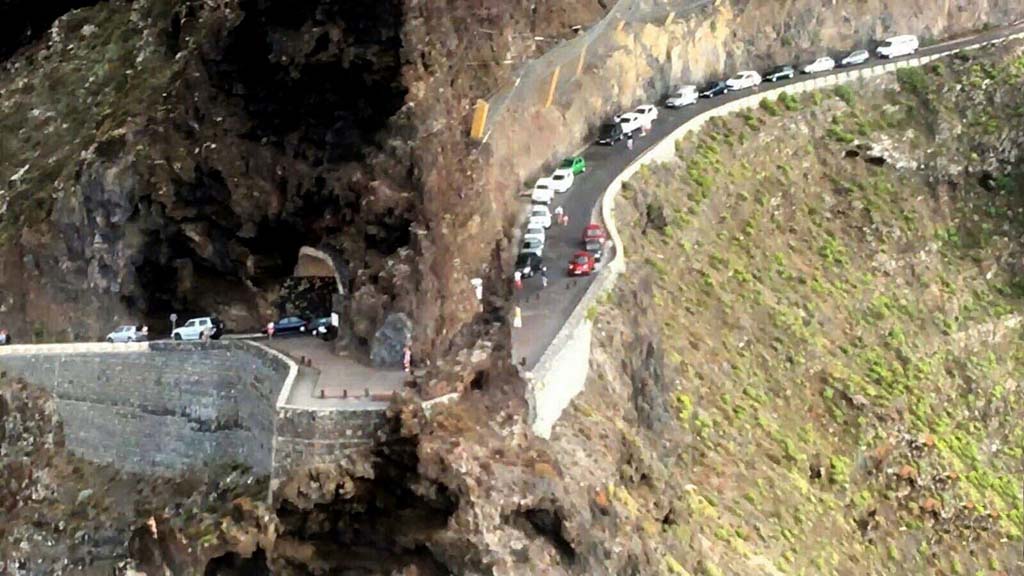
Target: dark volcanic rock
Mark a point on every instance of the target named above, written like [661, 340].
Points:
[390, 340]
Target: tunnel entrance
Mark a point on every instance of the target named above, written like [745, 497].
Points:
[315, 83]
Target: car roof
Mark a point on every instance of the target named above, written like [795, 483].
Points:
[901, 38]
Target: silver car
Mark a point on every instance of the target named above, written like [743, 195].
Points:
[127, 333]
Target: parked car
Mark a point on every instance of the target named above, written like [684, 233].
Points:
[610, 133]
[782, 72]
[630, 122]
[194, 328]
[562, 180]
[288, 324]
[127, 333]
[575, 163]
[593, 232]
[543, 191]
[540, 216]
[855, 57]
[535, 232]
[532, 245]
[712, 89]
[823, 64]
[596, 249]
[648, 113]
[323, 328]
[582, 264]
[743, 80]
[898, 46]
[683, 96]
[528, 264]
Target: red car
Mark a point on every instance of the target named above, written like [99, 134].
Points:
[582, 264]
[593, 232]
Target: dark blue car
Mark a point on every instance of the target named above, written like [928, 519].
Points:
[288, 324]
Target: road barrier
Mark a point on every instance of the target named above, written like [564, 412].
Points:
[562, 370]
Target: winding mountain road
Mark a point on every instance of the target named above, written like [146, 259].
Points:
[544, 310]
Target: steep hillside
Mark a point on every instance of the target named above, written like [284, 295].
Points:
[825, 298]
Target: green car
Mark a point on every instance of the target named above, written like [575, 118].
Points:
[576, 163]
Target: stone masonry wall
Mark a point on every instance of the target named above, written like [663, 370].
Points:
[310, 437]
[162, 407]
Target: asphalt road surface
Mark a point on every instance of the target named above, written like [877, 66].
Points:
[544, 310]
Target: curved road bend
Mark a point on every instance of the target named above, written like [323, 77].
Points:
[544, 311]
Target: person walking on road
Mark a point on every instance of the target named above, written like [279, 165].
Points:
[407, 359]
[629, 141]
[517, 318]
[518, 279]
[543, 276]
[558, 214]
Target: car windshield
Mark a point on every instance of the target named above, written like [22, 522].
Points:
[541, 186]
[558, 177]
[522, 260]
[190, 323]
[593, 245]
[567, 163]
[593, 232]
[780, 69]
[581, 260]
[608, 130]
[539, 212]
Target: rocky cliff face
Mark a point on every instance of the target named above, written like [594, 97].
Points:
[171, 156]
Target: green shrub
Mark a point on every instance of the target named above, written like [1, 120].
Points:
[844, 93]
[912, 80]
[769, 107]
[789, 101]
[839, 135]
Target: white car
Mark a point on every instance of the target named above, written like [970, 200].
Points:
[855, 57]
[535, 232]
[898, 46]
[543, 191]
[562, 179]
[539, 216]
[683, 96]
[823, 64]
[194, 328]
[630, 122]
[647, 113]
[126, 334]
[743, 80]
[532, 246]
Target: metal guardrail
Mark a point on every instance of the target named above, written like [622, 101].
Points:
[552, 79]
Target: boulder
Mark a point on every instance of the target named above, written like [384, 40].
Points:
[387, 349]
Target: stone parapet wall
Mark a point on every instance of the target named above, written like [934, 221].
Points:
[313, 437]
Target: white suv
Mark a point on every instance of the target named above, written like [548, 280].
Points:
[194, 328]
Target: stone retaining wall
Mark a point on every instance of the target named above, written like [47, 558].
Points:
[306, 437]
[562, 370]
[160, 407]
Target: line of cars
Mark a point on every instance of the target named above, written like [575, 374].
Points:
[530, 260]
[213, 328]
[623, 126]
[894, 47]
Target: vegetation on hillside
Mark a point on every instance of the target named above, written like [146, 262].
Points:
[838, 285]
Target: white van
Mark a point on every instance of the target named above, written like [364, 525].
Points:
[898, 46]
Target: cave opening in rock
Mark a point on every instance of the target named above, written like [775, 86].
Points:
[318, 83]
[382, 525]
[232, 564]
